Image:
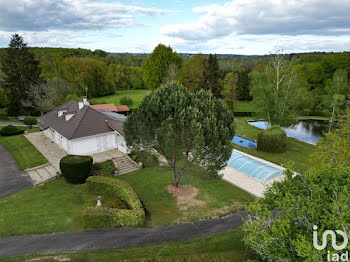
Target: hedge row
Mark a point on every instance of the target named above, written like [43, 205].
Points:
[10, 130]
[104, 217]
[272, 140]
[244, 114]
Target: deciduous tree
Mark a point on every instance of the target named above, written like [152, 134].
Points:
[276, 91]
[156, 67]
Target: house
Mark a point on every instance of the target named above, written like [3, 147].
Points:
[80, 129]
[123, 109]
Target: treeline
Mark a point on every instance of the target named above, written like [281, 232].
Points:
[65, 74]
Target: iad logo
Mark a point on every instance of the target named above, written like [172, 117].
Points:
[336, 256]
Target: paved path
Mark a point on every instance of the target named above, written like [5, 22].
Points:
[11, 179]
[116, 238]
[14, 124]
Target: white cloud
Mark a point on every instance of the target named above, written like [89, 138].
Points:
[41, 15]
[292, 17]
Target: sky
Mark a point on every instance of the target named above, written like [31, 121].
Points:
[249, 27]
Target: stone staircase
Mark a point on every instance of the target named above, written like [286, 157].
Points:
[42, 174]
[125, 164]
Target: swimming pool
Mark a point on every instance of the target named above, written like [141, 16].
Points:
[241, 141]
[252, 167]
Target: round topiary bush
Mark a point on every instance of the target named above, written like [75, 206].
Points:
[10, 130]
[272, 140]
[76, 169]
[30, 121]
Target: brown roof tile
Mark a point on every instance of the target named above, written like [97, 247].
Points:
[85, 122]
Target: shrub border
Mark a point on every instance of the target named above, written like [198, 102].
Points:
[104, 217]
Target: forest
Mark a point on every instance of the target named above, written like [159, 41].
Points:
[321, 79]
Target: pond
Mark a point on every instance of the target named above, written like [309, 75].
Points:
[306, 130]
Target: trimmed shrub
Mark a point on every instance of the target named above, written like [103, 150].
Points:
[30, 121]
[76, 169]
[272, 140]
[104, 217]
[126, 101]
[11, 130]
[147, 159]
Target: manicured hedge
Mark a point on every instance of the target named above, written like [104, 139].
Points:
[272, 140]
[10, 130]
[76, 169]
[104, 217]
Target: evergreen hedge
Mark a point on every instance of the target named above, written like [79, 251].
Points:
[10, 130]
[272, 140]
[104, 217]
[76, 169]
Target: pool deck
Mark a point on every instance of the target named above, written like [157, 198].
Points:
[247, 183]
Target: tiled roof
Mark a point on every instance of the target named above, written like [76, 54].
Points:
[85, 122]
[122, 108]
[111, 107]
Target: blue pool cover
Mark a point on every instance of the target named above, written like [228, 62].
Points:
[253, 168]
[241, 141]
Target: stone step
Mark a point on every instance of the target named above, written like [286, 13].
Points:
[34, 175]
[42, 174]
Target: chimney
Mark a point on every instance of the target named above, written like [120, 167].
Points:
[85, 102]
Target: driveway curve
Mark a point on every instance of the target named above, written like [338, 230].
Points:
[12, 179]
[116, 238]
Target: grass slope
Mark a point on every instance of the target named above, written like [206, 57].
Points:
[57, 206]
[297, 151]
[226, 246]
[25, 154]
[135, 95]
[53, 207]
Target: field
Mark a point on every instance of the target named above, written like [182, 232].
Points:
[135, 95]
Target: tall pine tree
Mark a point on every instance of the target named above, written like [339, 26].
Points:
[20, 71]
[213, 75]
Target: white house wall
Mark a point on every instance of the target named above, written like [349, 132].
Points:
[90, 144]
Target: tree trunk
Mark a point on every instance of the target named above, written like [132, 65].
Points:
[173, 171]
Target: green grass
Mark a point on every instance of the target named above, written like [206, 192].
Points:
[297, 151]
[57, 205]
[25, 154]
[150, 184]
[53, 207]
[135, 95]
[245, 106]
[221, 247]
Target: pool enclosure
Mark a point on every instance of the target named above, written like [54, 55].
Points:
[253, 167]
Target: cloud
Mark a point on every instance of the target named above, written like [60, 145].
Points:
[42, 15]
[260, 17]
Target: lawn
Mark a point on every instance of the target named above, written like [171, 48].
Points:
[220, 198]
[57, 205]
[135, 95]
[25, 154]
[222, 247]
[53, 207]
[297, 151]
[245, 106]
